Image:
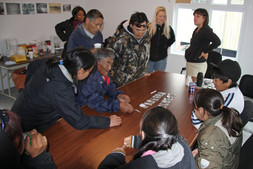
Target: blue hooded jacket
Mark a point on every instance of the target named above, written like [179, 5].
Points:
[92, 92]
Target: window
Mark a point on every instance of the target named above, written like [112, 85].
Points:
[225, 18]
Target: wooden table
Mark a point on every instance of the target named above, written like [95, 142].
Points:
[76, 149]
[18, 65]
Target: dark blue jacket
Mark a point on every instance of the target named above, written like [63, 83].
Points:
[93, 90]
[48, 96]
[79, 38]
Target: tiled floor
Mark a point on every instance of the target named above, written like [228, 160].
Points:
[6, 103]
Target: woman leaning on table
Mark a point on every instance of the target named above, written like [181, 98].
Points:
[162, 37]
[203, 41]
[220, 135]
[49, 94]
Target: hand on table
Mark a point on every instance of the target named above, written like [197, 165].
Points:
[126, 108]
[114, 120]
[195, 152]
[123, 98]
[127, 142]
[35, 143]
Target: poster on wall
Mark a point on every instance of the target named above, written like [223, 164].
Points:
[41, 8]
[1, 8]
[28, 8]
[13, 9]
[54, 7]
[66, 7]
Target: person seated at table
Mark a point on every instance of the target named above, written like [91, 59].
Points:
[160, 145]
[220, 135]
[17, 152]
[131, 44]
[92, 91]
[65, 28]
[88, 33]
[50, 94]
[225, 76]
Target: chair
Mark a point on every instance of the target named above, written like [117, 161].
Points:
[213, 58]
[18, 77]
[247, 112]
[245, 85]
[246, 154]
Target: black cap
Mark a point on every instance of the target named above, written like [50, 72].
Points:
[230, 69]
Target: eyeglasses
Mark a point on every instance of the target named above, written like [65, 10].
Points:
[138, 25]
[4, 118]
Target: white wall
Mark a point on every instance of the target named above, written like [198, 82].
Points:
[41, 26]
[26, 28]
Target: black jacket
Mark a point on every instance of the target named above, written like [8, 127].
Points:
[48, 97]
[65, 28]
[160, 44]
[203, 41]
[11, 159]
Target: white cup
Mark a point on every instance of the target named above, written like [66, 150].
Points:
[30, 54]
[97, 45]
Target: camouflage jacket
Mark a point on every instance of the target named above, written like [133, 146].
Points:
[132, 55]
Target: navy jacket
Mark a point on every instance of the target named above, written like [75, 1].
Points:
[48, 96]
[79, 38]
[92, 92]
[203, 41]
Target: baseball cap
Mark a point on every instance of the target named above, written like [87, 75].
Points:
[230, 68]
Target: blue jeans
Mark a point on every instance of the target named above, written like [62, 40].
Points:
[157, 65]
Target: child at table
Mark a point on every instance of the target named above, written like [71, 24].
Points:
[160, 146]
[219, 139]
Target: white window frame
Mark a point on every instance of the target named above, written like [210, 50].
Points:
[209, 7]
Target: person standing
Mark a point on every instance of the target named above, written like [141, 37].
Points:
[203, 41]
[65, 28]
[50, 94]
[162, 37]
[131, 44]
[88, 33]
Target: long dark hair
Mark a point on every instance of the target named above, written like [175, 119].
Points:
[160, 128]
[74, 60]
[212, 101]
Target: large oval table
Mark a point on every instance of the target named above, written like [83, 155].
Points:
[85, 149]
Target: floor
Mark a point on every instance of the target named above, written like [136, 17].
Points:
[6, 103]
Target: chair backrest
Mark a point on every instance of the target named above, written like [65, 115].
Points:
[247, 112]
[215, 58]
[246, 84]
[246, 154]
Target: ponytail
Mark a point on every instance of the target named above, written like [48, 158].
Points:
[232, 121]
[51, 62]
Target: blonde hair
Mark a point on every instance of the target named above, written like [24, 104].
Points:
[152, 25]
